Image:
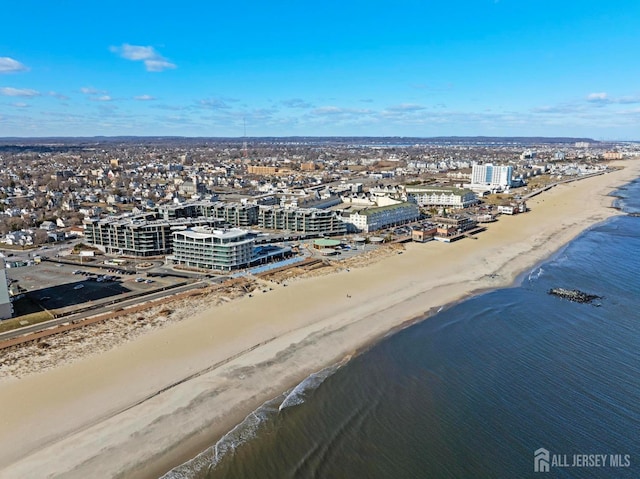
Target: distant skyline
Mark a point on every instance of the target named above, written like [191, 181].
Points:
[408, 68]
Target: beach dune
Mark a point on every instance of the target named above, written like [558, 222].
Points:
[150, 404]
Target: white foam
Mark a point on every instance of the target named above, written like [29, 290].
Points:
[227, 444]
[536, 274]
[298, 394]
[248, 428]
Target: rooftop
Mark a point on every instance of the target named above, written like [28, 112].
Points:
[326, 243]
[378, 209]
[201, 232]
[437, 189]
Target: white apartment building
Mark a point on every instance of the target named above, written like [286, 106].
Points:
[430, 196]
[304, 220]
[208, 248]
[139, 235]
[491, 175]
[373, 219]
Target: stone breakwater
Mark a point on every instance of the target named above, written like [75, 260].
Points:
[574, 295]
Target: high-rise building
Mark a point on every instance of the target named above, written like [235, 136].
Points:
[491, 175]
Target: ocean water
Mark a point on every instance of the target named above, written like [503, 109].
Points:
[473, 391]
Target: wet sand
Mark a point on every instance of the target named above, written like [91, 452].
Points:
[150, 404]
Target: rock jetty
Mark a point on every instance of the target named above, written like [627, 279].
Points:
[574, 295]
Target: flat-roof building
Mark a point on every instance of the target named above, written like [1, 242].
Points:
[452, 225]
[302, 220]
[214, 249]
[140, 235]
[372, 219]
[492, 176]
[430, 196]
[235, 214]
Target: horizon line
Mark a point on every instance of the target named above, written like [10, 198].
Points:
[240, 138]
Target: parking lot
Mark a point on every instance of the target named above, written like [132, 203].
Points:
[52, 285]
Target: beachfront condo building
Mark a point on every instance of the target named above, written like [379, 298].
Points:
[141, 235]
[434, 197]
[151, 233]
[492, 176]
[239, 215]
[373, 219]
[212, 249]
[191, 209]
[302, 220]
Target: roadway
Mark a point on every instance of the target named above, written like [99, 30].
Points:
[106, 308]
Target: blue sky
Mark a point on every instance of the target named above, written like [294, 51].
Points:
[332, 68]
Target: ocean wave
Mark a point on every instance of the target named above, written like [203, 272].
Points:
[249, 427]
[536, 274]
[301, 392]
[211, 457]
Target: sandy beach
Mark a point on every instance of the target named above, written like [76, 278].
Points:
[148, 405]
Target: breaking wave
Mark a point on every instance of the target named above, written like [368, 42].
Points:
[536, 274]
[301, 392]
[250, 426]
[211, 457]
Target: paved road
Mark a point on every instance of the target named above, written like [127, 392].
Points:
[50, 250]
[108, 307]
[568, 180]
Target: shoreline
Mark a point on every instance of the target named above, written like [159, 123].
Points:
[100, 426]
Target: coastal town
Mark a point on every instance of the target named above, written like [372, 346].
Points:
[291, 240]
[108, 225]
[147, 341]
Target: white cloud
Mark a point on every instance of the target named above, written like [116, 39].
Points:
[9, 91]
[153, 61]
[158, 65]
[144, 98]
[9, 65]
[296, 103]
[133, 52]
[406, 107]
[627, 100]
[600, 96]
[92, 91]
[57, 95]
[214, 104]
[20, 104]
[604, 99]
[567, 108]
[324, 110]
[96, 95]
